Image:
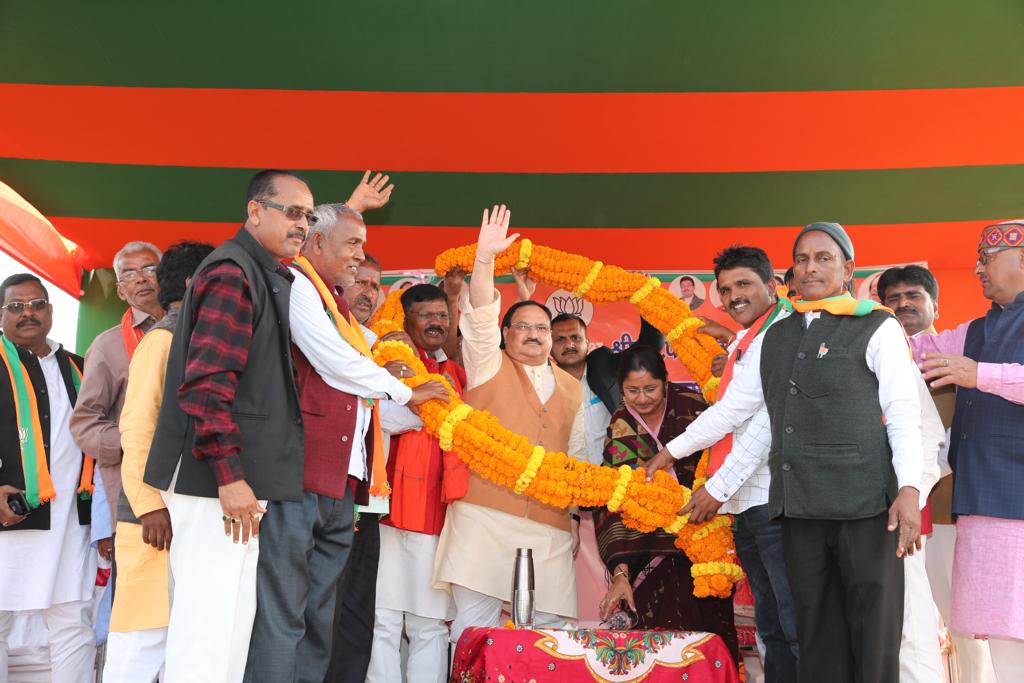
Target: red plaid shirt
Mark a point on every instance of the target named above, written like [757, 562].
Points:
[218, 352]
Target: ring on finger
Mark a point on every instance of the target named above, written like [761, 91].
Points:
[945, 362]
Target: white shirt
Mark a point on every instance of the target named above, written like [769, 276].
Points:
[338, 364]
[743, 479]
[595, 422]
[481, 356]
[42, 568]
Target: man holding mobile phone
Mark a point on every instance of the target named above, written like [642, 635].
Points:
[46, 560]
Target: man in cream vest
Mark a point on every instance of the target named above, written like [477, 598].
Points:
[508, 373]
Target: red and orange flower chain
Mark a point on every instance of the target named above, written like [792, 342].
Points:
[510, 460]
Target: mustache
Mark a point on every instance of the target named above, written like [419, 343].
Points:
[25, 322]
[364, 300]
[435, 328]
[297, 232]
[734, 304]
[906, 309]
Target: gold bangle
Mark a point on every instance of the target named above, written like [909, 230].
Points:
[619, 573]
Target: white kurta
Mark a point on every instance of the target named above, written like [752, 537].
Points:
[477, 544]
[39, 568]
[404, 575]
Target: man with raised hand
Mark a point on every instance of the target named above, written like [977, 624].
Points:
[481, 532]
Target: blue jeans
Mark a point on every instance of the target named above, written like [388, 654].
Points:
[760, 549]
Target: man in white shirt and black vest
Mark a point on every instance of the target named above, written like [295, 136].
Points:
[846, 464]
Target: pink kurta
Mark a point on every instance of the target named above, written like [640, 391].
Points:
[988, 577]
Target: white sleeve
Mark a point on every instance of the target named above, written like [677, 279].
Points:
[340, 365]
[481, 341]
[742, 400]
[578, 436]
[746, 456]
[888, 357]
[397, 419]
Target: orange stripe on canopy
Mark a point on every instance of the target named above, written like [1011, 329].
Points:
[30, 238]
[522, 132]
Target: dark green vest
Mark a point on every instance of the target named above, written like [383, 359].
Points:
[830, 455]
[266, 406]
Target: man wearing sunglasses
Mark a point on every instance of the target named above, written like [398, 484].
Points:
[46, 561]
[94, 424]
[230, 432]
[984, 359]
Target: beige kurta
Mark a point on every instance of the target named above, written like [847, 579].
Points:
[477, 544]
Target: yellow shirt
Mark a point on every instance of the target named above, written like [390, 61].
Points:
[142, 598]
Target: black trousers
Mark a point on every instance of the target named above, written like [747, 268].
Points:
[847, 584]
[353, 612]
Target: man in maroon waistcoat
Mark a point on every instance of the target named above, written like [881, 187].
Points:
[307, 542]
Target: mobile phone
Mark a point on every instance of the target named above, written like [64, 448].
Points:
[18, 503]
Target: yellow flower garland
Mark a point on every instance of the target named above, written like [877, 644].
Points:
[532, 467]
[510, 460]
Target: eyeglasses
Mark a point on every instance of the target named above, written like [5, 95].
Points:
[294, 213]
[18, 307]
[131, 275]
[440, 317]
[542, 329]
[654, 391]
[985, 255]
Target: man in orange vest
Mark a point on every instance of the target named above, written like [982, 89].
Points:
[509, 374]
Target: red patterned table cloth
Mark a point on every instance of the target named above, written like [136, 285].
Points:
[503, 655]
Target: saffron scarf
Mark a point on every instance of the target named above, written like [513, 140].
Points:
[352, 332]
[130, 335]
[721, 449]
[38, 484]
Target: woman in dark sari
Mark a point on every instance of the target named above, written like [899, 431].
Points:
[649, 573]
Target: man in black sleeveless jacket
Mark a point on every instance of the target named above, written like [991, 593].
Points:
[845, 463]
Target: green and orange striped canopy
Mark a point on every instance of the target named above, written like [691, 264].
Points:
[649, 133]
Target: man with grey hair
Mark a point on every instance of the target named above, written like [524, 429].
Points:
[339, 388]
[94, 422]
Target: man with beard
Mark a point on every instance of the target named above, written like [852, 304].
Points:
[913, 294]
[737, 430]
[482, 531]
[46, 562]
[94, 422]
[424, 481]
[363, 294]
[983, 360]
[338, 385]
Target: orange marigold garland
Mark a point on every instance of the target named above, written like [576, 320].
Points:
[602, 283]
[390, 317]
[510, 460]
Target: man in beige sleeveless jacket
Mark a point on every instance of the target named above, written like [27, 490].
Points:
[508, 373]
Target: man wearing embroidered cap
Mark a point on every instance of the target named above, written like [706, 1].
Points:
[46, 562]
[984, 359]
[846, 464]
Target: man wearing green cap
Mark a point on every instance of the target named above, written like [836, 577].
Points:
[846, 464]
[984, 359]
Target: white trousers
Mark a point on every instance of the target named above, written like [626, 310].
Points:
[972, 655]
[428, 648]
[920, 658]
[477, 609]
[72, 641]
[1007, 659]
[135, 656]
[214, 595]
